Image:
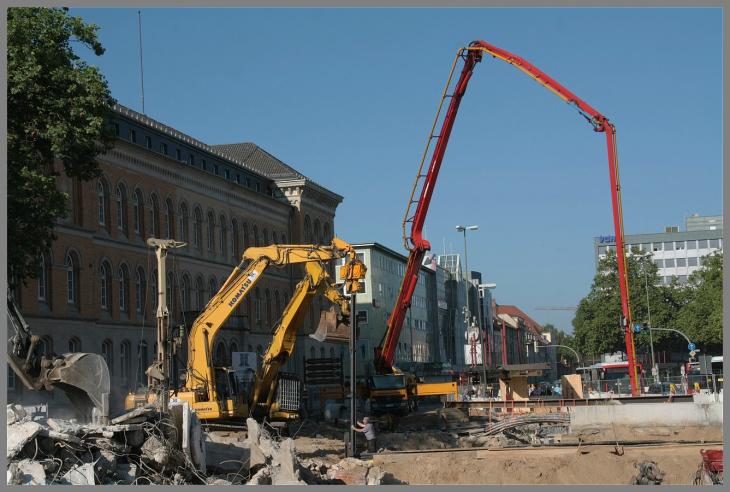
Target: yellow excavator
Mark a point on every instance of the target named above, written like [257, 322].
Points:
[212, 392]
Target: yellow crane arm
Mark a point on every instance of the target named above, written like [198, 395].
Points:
[200, 374]
[315, 281]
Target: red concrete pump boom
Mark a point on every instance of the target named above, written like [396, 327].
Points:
[418, 246]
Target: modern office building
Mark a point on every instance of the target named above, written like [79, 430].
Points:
[385, 271]
[676, 253]
[96, 285]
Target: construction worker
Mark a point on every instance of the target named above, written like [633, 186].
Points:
[367, 428]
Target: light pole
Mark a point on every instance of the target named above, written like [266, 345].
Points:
[467, 312]
[651, 337]
[486, 343]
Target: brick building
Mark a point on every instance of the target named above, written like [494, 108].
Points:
[95, 291]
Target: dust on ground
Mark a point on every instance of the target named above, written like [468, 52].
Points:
[565, 465]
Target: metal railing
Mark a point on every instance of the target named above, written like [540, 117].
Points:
[665, 386]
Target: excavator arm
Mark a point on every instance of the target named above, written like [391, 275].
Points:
[425, 182]
[201, 373]
[83, 377]
[316, 281]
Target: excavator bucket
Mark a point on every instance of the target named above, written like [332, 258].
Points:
[85, 380]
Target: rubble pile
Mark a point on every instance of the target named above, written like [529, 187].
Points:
[649, 474]
[136, 448]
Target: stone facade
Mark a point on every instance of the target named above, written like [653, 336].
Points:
[95, 291]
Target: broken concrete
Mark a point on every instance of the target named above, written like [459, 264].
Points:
[285, 465]
[81, 475]
[126, 473]
[16, 413]
[19, 434]
[261, 477]
[156, 450]
[31, 473]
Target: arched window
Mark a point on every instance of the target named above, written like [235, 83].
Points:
[105, 285]
[283, 239]
[169, 293]
[123, 278]
[327, 232]
[234, 348]
[266, 237]
[183, 222]
[185, 292]
[317, 232]
[125, 357]
[246, 241]
[140, 290]
[267, 295]
[169, 219]
[220, 354]
[74, 344]
[307, 230]
[122, 208]
[198, 228]
[277, 303]
[255, 238]
[154, 222]
[106, 353]
[257, 307]
[332, 352]
[250, 348]
[223, 233]
[138, 212]
[235, 240]
[321, 352]
[143, 362]
[102, 190]
[286, 298]
[212, 289]
[211, 232]
[199, 299]
[259, 353]
[44, 278]
[72, 277]
[155, 291]
[274, 238]
[45, 346]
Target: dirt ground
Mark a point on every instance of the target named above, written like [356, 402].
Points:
[570, 465]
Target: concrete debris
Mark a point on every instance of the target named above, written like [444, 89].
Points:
[16, 413]
[19, 434]
[261, 477]
[649, 474]
[352, 471]
[141, 447]
[80, 475]
[286, 469]
[31, 473]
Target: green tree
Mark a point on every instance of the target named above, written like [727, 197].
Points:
[597, 323]
[58, 109]
[559, 337]
[700, 318]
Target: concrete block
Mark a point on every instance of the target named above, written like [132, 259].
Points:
[19, 434]
[16, 413]
[81, 475]
[32, 473]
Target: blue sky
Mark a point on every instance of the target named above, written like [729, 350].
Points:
[348, 97]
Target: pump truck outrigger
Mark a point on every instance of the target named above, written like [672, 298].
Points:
[417, 245]
[83, 377]
[212, 391]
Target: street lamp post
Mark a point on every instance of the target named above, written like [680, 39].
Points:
[651, 337]
[467, 312]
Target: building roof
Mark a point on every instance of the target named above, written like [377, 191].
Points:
[254, 157]
[176, 134]
[516, 312]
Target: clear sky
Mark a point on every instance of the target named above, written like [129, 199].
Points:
[347, 97]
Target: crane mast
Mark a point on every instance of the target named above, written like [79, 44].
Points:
[418, 245]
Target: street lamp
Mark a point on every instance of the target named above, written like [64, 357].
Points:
[488, 328]
[467, 313]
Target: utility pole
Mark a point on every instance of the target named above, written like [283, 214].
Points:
[353, 374]
[159, 372]
[651, 337]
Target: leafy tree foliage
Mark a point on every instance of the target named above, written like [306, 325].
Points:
[597, 323]
[559, 337]
[700, 318]
[58, 108]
